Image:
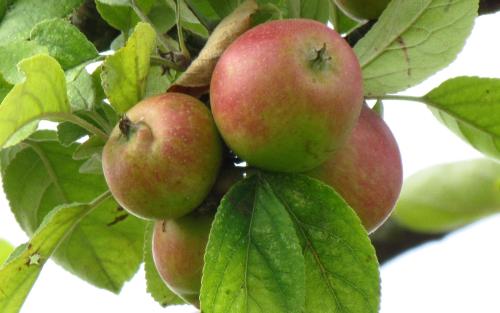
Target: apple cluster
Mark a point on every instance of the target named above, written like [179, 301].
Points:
[286, 96]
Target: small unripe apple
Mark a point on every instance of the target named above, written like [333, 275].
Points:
[363, 9]
[162, 159]
[179, 244]
[367, 171]
[178, 251]
[286, 94]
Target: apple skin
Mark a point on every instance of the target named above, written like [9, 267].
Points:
[280, 101]
[179, 244]
[169, 162]
[178, 251]
[367, 172]
[363, 9]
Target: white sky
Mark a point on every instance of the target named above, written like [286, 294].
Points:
[460, 274]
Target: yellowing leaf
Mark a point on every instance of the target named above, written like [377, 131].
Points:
[41, 96]
[124, 74]
[200, 71]
[20, 272]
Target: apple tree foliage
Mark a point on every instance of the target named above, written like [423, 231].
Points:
[280, 242]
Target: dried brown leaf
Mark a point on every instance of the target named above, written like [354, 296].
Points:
[198, 74]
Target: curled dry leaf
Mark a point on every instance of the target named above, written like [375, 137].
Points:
[196, 78]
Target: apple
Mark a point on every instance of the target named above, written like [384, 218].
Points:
[286, 94]
[363, 9]
[163, 157]
[179, 244]
[178, 251]
[367, 171]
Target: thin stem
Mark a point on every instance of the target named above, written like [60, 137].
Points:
[164, 62]
[82, 123]
[180, 34]
[397, 97]
[161, 39]
[100, 199]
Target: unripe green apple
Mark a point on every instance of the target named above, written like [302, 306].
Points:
[367, 170]
[363, 9]
[286, 94]
[162, 159]
[179, 244]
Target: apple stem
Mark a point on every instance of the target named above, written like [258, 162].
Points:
[322, 57]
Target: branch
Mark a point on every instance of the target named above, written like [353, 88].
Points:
[489, 6]
[392, 240]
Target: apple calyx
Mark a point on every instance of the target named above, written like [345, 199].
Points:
[126, 126]
[321, 59]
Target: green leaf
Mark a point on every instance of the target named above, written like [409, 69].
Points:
[120, 17]
[470, 107]
[108, 114]
[41, 96]
[22, 15]
[64, 42]
[116, 2]
[157, 81]
[224, 7]
[162, 16]
[155, 285]
[7, 155]
[124, 73]
[445, 197]
[342, 23]
[315, 10]
[188, 20]
[118, 42]
[5, 87]
[120, 14]
[379, 108]
[295, 8]
[23, 133]
[204, 11]
[83, 90]
[105, 249]
[53, 180]
[413, 40]
[253, 261]
[93, 165]
[341, 265]
[20, 272]
[5, 250]
[283, 8]
[87, 149]
[68, 133]
[3, 8]
[12, 54]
